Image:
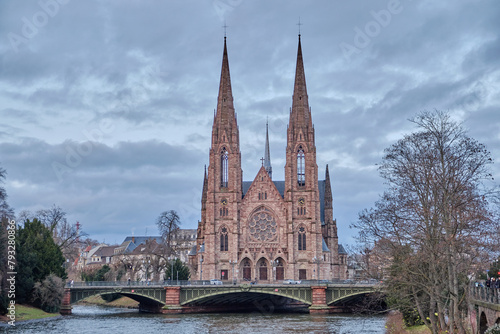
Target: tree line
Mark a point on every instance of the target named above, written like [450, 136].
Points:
[47, 244]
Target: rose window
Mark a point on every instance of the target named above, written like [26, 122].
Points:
[262, 226]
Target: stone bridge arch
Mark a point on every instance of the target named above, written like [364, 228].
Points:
[243, 294]
[348, 293]
[150, 299]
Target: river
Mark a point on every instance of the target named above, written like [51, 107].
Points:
[98, 319]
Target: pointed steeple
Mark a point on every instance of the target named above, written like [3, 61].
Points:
[328, 191]
[300, 106]
[204, 191]
[267, 155]
[225, 109]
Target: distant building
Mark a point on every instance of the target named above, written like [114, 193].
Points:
[182, 242]
[96, 256]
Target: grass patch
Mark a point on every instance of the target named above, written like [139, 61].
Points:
[25, 312]
[419, 330]
[123, 302]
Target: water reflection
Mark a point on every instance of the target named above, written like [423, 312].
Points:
[95, 319]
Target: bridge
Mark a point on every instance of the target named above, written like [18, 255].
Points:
[157, 297]
[484, 308]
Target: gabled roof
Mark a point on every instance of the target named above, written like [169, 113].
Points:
[135, 241]
[105, 251]
[324, 245]
[342, 250]
[280, 185]
[147, 247]
[262, 177]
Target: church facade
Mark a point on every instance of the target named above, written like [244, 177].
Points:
[266, 230]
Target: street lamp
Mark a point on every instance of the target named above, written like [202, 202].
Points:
[317, 260]
[171, 259]
[145, 265]
[232, 263]
[274, 264]
[201, 267]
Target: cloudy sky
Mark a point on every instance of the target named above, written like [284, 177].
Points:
[106, 107]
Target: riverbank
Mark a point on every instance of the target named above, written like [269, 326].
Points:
[395, 325]
[123, 302]
[26, 312]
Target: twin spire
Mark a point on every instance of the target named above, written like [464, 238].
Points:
[300, 115]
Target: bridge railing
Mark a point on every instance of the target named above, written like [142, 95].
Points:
[204, 282]
[485, 294]
[126, 283]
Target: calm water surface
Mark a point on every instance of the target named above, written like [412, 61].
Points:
[95, 319]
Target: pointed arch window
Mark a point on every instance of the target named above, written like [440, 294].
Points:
[223, 240]
[302, 238]
[224, 168]
[301, 167]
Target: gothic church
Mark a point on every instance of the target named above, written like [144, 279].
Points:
[266, 230]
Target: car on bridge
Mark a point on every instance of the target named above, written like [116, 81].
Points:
[215, 282]
[291, 281]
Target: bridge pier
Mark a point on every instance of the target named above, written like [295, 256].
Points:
[319, 300]
[172, 300]
[66, 303]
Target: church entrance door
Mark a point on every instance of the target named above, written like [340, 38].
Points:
[280, 273]
[263, 271]
[247, 271]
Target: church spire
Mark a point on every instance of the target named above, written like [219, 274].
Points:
[267, 155]
[204, 191]
[328, 191]
[300, 105]
[225, 109]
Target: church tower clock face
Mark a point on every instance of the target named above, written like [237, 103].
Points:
[262, 226]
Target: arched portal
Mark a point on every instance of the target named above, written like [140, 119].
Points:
[280, 269]
[262, 267]
[246, 269]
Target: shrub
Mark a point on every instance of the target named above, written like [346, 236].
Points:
[4, 303]
[49, 293]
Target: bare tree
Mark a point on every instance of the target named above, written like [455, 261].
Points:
[52, 218]
[436, 216]
[49, 293]
[65, 235]
[168, 224]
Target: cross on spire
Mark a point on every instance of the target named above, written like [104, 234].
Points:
[262, 160]
[225, 28]
[299, 24]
